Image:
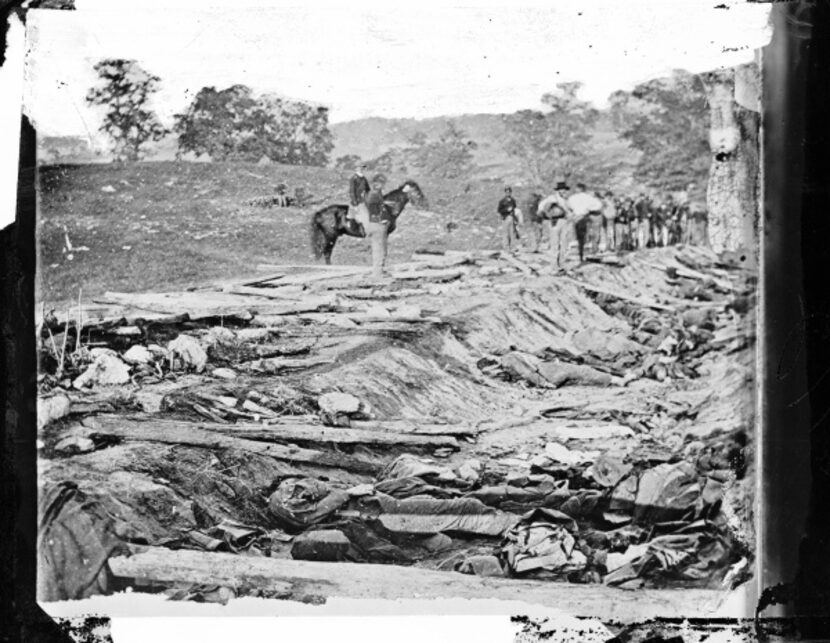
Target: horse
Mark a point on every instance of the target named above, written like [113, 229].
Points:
[330, 223]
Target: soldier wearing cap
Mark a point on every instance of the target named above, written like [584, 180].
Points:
[358, 189]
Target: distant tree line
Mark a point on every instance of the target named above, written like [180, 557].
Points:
[449, 156]
[226, 125]
[665, 119]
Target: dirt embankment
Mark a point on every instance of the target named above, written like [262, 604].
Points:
[471, 417]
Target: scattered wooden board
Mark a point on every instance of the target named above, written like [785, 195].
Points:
[391, 582]
[191, 434]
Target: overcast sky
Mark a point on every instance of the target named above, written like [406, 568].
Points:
[371, 59]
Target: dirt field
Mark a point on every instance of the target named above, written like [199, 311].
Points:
[486, 426]
[166, 225]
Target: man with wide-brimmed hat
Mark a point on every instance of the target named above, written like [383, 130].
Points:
[558, 217]
[358, 189]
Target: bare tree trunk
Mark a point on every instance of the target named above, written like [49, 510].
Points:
[732, 195]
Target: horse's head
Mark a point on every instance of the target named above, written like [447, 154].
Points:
[414, 193]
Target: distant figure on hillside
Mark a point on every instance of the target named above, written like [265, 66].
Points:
[609, 218]
[507, 211]
[358, 189]
[642, 212]
[533, 222]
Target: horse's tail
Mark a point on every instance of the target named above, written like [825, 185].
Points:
[317, 236]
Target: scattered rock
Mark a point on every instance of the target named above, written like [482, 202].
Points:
[190, 352]
[408, 310]
[75, 444]
[50, 409]
[335, 403]
[377, 311]
[561, 453]
[482, 566]
[108, 189]
[220, 335]
[106, 370]
[470, 470]
[138, 355]
[150, 402]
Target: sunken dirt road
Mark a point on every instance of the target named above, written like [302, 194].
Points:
[470, 428]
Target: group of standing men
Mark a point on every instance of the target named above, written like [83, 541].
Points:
[600, 220]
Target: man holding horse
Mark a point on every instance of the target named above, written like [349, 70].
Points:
[377, 227]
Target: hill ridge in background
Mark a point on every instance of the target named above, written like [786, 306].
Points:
[370, 137]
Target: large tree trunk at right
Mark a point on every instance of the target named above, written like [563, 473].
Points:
[732, 195]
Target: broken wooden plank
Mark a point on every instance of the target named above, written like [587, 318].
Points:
[190, 434]
[298, 431]
[333, 272]
[646, 303]
[275, 365]
[158, 565]
[341, 435]
[438, 262]
[518, 263]
[282, 292]
[690, 273]
[448, 274]
[415, 427]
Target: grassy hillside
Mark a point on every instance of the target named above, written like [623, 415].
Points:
[370, 137]
[158, 225]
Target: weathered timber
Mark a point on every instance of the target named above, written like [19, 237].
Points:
[324, 434]
[190, 434]
[373, 581]
[282, 292]
[646, 303]
[448, 274]
[518, 263]
[299, 431]
[273, 365]
[415, 427]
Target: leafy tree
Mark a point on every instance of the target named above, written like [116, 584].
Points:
[231, 124]
[450, 157]
[556, 142]
[347, 162]
[667, 119]
[126, 93]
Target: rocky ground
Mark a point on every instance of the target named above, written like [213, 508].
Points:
[471, 427]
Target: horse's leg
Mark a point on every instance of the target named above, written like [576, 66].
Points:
[329, 248]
